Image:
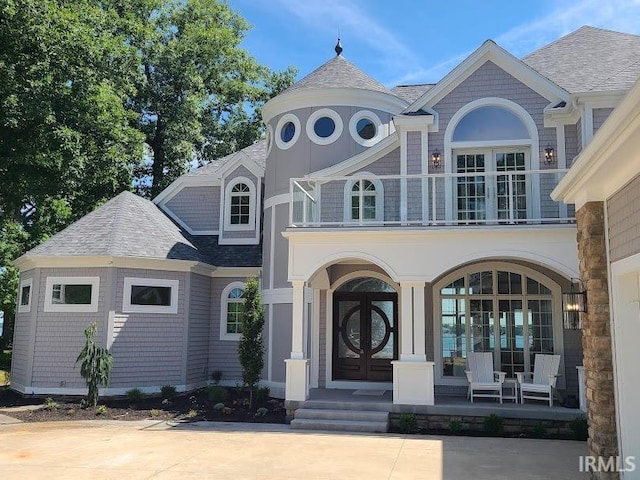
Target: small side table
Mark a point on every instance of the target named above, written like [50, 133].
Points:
[510, 389]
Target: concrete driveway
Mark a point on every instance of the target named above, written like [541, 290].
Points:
[159, 450]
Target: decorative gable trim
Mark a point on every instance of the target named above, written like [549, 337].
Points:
[490, 51]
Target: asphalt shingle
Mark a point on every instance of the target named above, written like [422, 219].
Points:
[589, 59]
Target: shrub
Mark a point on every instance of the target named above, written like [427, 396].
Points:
[50, 404]
[95, 365]
[454, 426]
[580, 428]
[492, 424]
[218, 406]
[261, 412]
[216, 394]
[251, 346]
[192, 413]
[407, 422]
[168, 392]
[5, 359]
[154, 413]
[101, 409]
[216, 376]
[134, 395]
[539, 431]
[262, 394]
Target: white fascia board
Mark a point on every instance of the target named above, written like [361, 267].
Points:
[240, 159]
[204, 180]
[610, 160]
[413, 122]
[322, 97]
[355, 163]
[237, 272]
[490, 51]
[601, 99]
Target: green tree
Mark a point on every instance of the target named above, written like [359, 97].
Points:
[200, 93]
[251, 347]
[95, 365]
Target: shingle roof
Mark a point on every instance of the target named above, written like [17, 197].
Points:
[338, 73]
[131, 226]
[589, 59]
[256, 152]
[411, 93]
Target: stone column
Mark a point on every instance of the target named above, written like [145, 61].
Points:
[596, 339]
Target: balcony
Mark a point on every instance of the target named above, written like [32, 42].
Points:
[519, 197]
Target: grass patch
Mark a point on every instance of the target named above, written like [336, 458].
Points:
[4, 377]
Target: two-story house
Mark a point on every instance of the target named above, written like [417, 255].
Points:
[393, 231]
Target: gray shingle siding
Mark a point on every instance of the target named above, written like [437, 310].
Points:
[60, 335]
[572, 357]
[22, 335]
[599, 117]
[197, 207]
[223, 354]
[199, 327]
[570, 143]
[579, 135]
[623, 210]
[281, 340]
[147, 347]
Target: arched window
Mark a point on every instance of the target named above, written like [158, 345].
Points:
[509, 311]
[240, 205]
[364, 200]
[231, 303]
[487, 142]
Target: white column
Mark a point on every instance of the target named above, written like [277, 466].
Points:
[297, 367]
[406, 320]
[403, 171]
[413, 379]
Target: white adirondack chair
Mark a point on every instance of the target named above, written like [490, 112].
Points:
[543, 379]
[482, 378]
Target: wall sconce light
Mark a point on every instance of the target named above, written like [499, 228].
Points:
[549, 155]
[435, 159]
[574, 304]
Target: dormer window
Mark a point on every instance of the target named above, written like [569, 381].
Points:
[240, 206]
[240, 203]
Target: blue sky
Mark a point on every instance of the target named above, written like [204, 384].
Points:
[415, 41]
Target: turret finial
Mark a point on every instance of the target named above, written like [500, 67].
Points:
[338, 48]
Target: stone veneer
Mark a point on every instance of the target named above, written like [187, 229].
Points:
[596, 340]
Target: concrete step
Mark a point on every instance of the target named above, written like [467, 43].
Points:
[343, 405]
[339, 425]
[326, 414]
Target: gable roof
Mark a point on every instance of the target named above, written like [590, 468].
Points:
[489, 51]
[589, 59]
[131, 226]
[338, 73]
[256, 152]
[411, 93]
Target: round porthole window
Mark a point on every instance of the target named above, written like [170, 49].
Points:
[324, 126]
[287, 131]
[365, 128]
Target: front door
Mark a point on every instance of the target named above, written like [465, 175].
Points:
[364, 335]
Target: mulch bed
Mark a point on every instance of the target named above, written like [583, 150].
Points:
[193, 406]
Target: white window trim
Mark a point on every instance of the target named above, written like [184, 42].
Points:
[354, 133]
[127, 307]
[289, 117]
[379, 198]
[224, 297]
[55, 307]
[28, 282]
[315, 116]
[269, 138]
[228, 226]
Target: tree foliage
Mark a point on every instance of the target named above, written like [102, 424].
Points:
[251, 346]
[95, 365]
[101, 97]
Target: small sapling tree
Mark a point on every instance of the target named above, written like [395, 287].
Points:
[95, 365]
[251, 347]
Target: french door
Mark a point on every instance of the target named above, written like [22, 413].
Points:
[485, 193]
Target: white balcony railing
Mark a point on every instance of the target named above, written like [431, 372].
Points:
[486, 198]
